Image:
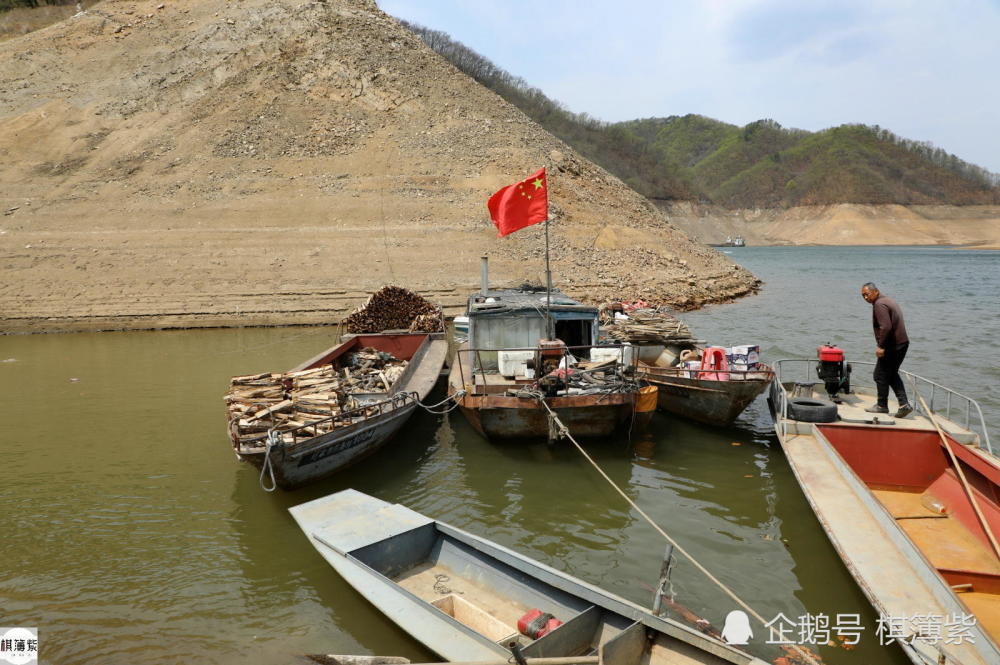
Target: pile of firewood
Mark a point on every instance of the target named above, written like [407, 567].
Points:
[395, 308]
[648, 325]
[427, 323]
[317, 400]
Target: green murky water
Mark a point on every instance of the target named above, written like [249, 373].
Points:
[131, 534]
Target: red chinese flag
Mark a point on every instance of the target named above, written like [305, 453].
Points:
[521, 204]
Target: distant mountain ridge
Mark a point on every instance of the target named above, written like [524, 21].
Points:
[759, 165]
[765, 165]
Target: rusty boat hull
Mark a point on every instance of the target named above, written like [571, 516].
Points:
[707, 401]
[502, 417]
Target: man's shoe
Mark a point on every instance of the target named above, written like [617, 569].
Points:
[875, 408]
[904, 410]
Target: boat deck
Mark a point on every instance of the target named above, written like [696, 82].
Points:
[947, 544]
[852, 412]
[433, 581]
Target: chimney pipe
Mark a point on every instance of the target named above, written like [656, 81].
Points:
[486, 275]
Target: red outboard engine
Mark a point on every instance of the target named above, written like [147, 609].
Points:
[833, 370]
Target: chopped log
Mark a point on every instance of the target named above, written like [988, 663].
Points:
[252, 377]
[311, 397]
[280, 406]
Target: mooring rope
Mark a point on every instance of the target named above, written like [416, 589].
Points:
[729, 592]
[429, 408]
[273, 439]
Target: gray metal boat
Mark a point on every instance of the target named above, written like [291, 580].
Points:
[300, 456]
[909, 503]
[462, 595]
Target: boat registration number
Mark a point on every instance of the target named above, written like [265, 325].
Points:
[356, 440]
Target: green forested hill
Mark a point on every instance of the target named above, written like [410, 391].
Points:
[766, 165]
[759, 165]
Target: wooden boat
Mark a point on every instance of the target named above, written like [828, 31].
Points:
[462, 595]
[704, 395]
[891, 498]
[299, 456]
[495, 374]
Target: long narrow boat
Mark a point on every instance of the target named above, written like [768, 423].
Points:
[462, 596]
[299, 456]
[894, 505]
[500, 376]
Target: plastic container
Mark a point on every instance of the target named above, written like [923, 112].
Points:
[624, 353]
[536, 623]
[648, 353]
[714, 364]
[646, 402]
[513, 363]
[666, 359]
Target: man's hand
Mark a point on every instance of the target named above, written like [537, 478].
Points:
[879, 352]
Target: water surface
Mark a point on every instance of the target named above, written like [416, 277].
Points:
[134, 536]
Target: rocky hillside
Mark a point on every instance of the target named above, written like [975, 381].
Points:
[200, 163]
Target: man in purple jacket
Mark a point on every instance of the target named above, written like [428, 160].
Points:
[891, 344]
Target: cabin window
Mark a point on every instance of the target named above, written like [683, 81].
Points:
[504, 332]
[523, 331]
[508, 332]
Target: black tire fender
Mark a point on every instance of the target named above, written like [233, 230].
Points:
[810, 410]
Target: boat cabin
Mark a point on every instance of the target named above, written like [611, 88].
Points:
[515, 319]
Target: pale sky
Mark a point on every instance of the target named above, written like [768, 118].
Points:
[927, 70]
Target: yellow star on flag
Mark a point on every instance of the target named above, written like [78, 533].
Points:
[538, 183]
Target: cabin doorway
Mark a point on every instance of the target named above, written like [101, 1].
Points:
[575, 333]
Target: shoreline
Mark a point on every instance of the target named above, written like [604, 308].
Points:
[327, 308]
[294, 310]
[47, 325]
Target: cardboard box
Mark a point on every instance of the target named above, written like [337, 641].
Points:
[746, 357]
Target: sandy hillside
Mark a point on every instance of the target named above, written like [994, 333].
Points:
[208, 163]
[843, 224]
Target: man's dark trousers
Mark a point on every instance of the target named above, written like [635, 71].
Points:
[886, 375]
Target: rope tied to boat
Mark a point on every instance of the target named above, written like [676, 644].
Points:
[808, 657]
[273, 439]
[457, 395]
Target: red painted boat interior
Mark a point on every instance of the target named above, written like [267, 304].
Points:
[401, 346]
[916, 461]
[911, 474]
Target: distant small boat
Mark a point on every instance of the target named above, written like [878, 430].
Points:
[889, 492]
[738, 241]
[468, 599]
[300, 456]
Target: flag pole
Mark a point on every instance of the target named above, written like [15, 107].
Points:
[548, 284]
